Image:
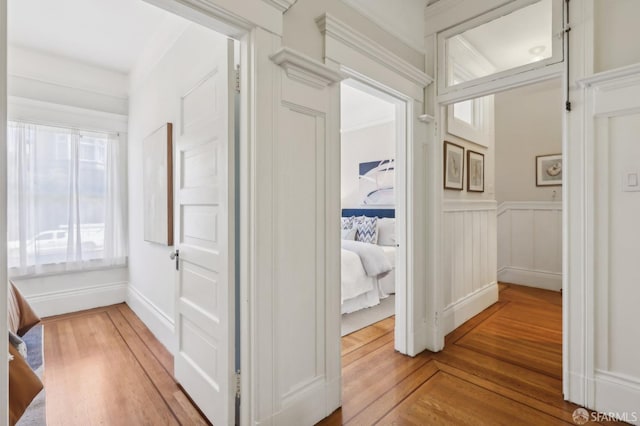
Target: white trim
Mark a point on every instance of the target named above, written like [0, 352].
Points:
[500, 84]
[48, 113]
[426, 118]
[529, 205]
[77, 299]
[401, 33]
[606, 76]
[531, 278]
[281, 5]
[160, 324]
[456, 314]
[368, 124]
[330, 26]
[468, 205]
[304, 69]
[615, 393]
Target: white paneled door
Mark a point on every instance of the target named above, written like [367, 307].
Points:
[205, 324]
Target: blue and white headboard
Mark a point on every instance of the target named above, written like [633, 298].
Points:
[369, 212]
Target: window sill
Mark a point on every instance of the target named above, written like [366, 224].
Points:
[55, 269]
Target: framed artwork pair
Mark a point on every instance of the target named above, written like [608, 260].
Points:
[454, 163]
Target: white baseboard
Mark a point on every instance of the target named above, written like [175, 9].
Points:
[618, 396]
[529, 278]
[160, 324]
[469, 306]
[74, 300]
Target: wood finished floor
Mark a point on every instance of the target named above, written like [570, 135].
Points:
[104, 367]
[502, 367]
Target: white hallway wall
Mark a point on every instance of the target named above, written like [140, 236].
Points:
[55, 90]
[528, 122]
[155, 100]
[469, 236]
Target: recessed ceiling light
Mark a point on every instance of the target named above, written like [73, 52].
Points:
[537, 50]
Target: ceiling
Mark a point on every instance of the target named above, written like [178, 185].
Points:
[360, 109]
[110, 34]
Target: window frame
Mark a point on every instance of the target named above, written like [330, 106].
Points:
[445, 92]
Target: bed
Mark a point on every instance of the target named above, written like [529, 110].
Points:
[26, 391]
[368, 257]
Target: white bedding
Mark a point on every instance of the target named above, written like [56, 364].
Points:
[359, 290]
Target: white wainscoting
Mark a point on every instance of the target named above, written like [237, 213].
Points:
[470, 253]
[530, 243]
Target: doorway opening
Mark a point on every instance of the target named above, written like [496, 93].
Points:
[373, 188]
[113, 108]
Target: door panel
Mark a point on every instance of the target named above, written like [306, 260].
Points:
[204, 363]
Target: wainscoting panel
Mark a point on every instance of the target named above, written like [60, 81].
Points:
[530, 244]
[303, 266]
[470, 257]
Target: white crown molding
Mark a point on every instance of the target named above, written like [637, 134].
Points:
[281, 5]
[439, 7]
[305, 69]
[401, 34]
[614, 74]
[332, 27]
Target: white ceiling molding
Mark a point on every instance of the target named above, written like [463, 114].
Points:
[332, 27]
[405, 23]
[305, 69]
[361, 126]
[447, 13]
[281, 5]
[614, 74]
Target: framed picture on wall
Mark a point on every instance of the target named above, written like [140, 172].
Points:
[475, 171]
[453, 166]
[549, 170]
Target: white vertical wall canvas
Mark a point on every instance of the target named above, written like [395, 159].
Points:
[157, 171]
[377, 183]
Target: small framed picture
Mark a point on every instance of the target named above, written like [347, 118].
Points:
[453, 166]
[475, 171]
[549, 170]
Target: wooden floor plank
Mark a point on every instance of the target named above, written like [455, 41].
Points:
[154, 345]
[164, 383]
[92, 378]
[504, 366]
[103, 367]
[448, 400]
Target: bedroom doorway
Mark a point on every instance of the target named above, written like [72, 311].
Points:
[373, 204]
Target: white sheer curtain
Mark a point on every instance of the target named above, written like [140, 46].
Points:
[66, 192]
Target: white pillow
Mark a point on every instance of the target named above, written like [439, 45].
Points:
[349, 234]
[387, 232]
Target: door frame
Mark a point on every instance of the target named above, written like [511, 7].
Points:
[403, 110]
[256, 25]
[575, 217]
[356, 56]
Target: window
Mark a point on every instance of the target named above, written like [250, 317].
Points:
[515, 38]
[65, 199]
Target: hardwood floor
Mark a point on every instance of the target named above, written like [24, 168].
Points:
[104, 367]
[504, 366]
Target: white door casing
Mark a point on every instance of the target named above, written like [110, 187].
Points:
[205, 296]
